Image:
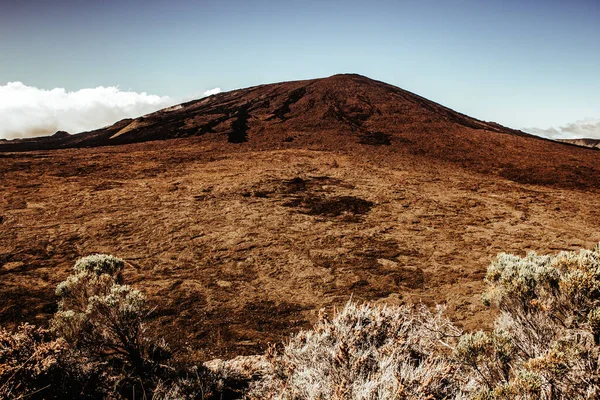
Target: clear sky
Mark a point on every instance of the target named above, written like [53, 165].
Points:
[522, 63]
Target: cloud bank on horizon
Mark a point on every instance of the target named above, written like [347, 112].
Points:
[588, 128]
[27, 111]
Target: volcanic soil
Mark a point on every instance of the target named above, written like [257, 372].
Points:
[239, 244]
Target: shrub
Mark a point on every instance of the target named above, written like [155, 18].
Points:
[104, 323]
[544, 345]
[103, 318]
[33, 364]
[100, 264]
[545, 341]
[368, 352]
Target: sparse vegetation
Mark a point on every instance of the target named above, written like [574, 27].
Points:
[544, 344]
[97, 345]
[34, 364]
[104, 319]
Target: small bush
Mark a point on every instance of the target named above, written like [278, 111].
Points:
[368, 352]
[103, 318]
[104, 321]
[545, 341]
[100, 264]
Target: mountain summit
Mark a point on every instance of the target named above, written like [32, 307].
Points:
[355, 107]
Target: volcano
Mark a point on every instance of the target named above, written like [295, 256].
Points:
[243, 213]
[340, 113]
[345, 107]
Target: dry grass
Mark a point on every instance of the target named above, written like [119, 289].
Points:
[208, 237]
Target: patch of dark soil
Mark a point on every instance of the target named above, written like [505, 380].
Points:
[375, 139]
[412, 278]
[31, 304]
[261, 194]
[374, 248]
[359, 284]
[371, 270]
[249, 330]
[312, 183]
[267, 314]
[5, 258]
[176, 301]
[107, 185]
[29, 186]
[295, 186]
[331, 206]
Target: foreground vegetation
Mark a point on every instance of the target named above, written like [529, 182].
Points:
[544, 344]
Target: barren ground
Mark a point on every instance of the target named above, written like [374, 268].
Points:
[238, 247]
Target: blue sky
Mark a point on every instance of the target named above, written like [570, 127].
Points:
[523, 64]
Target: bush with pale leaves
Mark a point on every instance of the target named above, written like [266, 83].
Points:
[369, 352]
[544, 345]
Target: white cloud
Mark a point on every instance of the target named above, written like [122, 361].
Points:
[27, 111]
[210, 92]
[586, 128]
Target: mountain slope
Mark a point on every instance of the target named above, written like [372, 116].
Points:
[348, 113]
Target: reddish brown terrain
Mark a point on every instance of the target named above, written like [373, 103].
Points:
[271, 202]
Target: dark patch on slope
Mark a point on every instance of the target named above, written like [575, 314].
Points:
[293, 97]
[334, 206]
[375, 139]
[239, 127]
